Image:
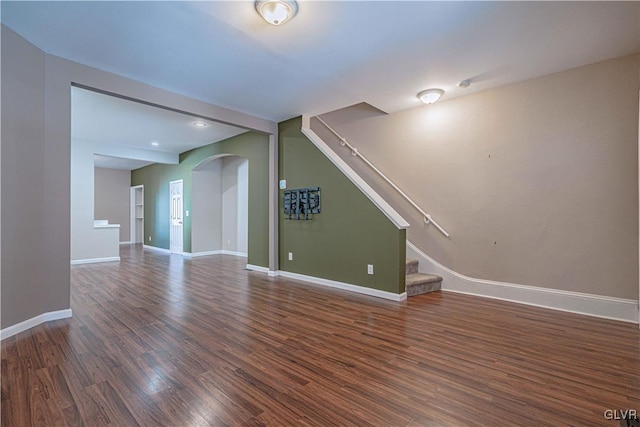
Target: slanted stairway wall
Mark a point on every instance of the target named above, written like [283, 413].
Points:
[350, 232]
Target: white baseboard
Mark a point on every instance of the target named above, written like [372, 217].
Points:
[197, 254]
[234, 253]
[345, 286]
[216, 252]
[330, 283]
[34, 321]
[625, 310]
[126, 243]
[153, 248]
[94, 260]
[258, 268]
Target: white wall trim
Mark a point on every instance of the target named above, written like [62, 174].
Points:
[216, 252]
[366, 189]
[153, 248]
[330, 283]
[107, 226]
[126, 243]
[234, 253]
[34, 321]
[95, 260]
[345, 286]
[258, 268]
[625, 310]
[203, 253]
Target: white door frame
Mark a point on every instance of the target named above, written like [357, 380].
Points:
[176, 217]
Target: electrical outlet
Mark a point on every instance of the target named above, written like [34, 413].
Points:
[290, 256]
[186, 213]
[149, 238]
[369, 268]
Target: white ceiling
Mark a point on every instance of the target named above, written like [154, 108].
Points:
[106, 119]
[333, 53]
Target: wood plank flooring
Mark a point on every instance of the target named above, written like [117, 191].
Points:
[158, 340]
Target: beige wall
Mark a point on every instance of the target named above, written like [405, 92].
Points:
[88, 243]
[537, 182]
[219, 196]
[112, 198]
[206, 214]
[35, 243]
[235, 194]
[36, 157]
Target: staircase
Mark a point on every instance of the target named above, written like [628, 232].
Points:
[420, 283]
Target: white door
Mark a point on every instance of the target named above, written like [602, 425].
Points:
[175, 234]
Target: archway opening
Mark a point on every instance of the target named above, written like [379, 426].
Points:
[220, 195]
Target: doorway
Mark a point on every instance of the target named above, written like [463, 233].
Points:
[176, 232]
[219, 203]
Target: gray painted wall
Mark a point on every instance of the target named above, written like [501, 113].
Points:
[36, 153]
[112, 198]
[219, 205]
[206, 214]
[88, 242]
[235, 194]
[35, 191]
[537, 182]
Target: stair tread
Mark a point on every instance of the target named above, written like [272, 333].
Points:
[418, 278]
[411, 266]
[421, 283]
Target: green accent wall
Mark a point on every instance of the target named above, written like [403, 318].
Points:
[349, 233]
[155, 178]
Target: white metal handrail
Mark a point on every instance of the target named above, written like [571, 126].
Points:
[354, 152]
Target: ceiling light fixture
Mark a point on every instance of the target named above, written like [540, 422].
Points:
[200, 124]
[430, 96]
[277, 12]
[155, 144]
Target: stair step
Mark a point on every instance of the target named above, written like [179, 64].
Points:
[412, 266]
[419, 283]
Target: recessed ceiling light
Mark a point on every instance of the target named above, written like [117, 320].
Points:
[200, 124]
[430, 96]
[277, 12]
[155, 144]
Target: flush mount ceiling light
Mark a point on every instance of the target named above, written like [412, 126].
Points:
[277, 12]
[430, 96]
[200, 124]
[155, 143]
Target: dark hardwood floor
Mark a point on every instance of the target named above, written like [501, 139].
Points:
[160, 341]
